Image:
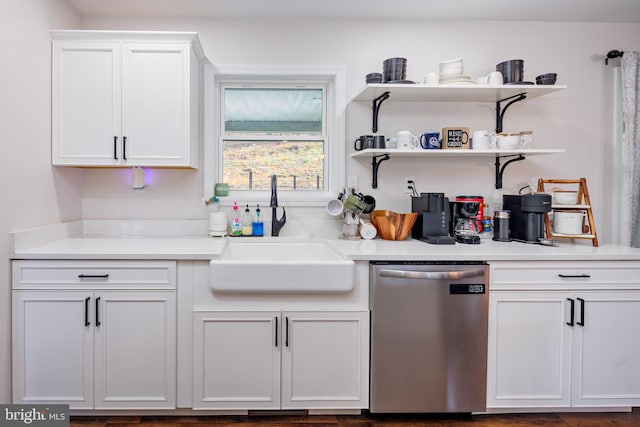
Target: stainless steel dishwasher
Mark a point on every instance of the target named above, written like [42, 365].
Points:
[428, 336]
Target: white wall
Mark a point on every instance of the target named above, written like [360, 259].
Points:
[32, 192]
[573, 119]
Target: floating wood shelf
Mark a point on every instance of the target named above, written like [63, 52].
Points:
[502, 95]
[378, 155]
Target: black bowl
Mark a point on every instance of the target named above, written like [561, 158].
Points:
[547, 76]
[546, 79]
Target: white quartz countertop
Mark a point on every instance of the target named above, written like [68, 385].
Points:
[205, 248]
[125, 248]
[487, 250]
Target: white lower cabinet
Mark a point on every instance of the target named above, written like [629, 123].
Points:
[52, 348]
[564, 338]
[606, 365]
[94, 348]
[280, 359]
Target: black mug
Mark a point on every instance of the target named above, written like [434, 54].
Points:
[378, 142]
[363, 142]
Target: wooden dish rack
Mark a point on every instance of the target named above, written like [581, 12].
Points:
[583, 205]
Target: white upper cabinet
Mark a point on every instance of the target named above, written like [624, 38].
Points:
[126, 99]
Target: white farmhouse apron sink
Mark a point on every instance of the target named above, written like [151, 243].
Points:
[282, 266]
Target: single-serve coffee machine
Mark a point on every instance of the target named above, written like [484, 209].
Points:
[434, 219]
[527, 215]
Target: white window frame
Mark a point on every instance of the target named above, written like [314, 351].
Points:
[332, 76]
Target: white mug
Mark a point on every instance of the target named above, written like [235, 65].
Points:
[507, 141]
[526, 139]
[482, 80]
[483, 140]
[367, 230]
[431, 79]
[406, 140]
[495, 78]
[335, 207]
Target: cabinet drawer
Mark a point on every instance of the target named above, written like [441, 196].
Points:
[565, 275]
[94, 274]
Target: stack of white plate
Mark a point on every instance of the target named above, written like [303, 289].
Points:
[452, 72]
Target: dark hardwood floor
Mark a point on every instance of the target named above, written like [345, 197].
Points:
[626, 419]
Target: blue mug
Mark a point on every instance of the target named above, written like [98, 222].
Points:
[430, 140]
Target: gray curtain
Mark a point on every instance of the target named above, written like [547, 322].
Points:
[631, 143]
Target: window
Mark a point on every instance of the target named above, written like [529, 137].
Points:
[276, 130]
[285, 121]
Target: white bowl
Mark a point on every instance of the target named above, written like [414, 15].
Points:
[447, 75]
[451, 69]
[565, 197]
[508, 142]
[452, 61]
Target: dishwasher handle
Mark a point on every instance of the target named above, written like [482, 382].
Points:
[433, 275]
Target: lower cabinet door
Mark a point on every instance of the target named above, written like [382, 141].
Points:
[606, 362]
[325, 360]
[236, 363]
[53, 348]
[135, 340]
[529, 350]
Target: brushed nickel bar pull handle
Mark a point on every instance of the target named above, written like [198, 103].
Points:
[432, 275]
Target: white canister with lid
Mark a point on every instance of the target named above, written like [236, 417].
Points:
[568, 222]
[218, 223]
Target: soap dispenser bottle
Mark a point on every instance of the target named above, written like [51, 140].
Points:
[258, 226]
[235, 228]
[247, 223]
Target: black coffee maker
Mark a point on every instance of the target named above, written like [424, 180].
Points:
[434, 218]
[527, 215]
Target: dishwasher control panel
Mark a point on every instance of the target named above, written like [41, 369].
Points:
[467, 288]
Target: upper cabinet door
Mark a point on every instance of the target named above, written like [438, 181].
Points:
[126, 99]
[156, 103]
[86, 103]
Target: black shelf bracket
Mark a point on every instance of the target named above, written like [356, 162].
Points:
[376, 109]
[501, 110]
[376, 164]
[500, 170]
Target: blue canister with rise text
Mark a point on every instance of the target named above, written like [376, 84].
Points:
[430, 140]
